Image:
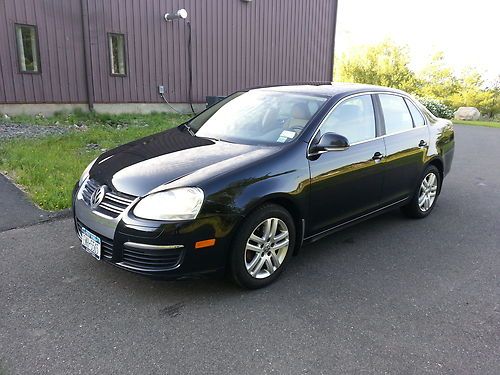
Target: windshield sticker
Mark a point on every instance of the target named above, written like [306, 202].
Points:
[287, 134]
[282, 139]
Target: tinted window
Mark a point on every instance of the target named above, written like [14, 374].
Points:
[396, 115]
[353, 118]
[418, 119]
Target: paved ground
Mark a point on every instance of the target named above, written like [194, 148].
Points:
[390, 295]
[15, 209]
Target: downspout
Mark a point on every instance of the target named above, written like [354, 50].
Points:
[86, 55]
[334, 28]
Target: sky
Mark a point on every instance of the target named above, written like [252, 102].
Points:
[468, 32]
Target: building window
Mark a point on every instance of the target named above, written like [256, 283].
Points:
[117, 54]
[27, 48]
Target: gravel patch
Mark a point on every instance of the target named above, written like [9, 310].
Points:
[10, 131]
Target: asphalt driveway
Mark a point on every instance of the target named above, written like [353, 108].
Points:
[390, 295]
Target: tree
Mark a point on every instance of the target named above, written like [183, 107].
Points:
[438, 80]
[492, 107]
[384, 64]
[387, 64]
[473, 93]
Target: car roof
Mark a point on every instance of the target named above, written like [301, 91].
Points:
[330, 89]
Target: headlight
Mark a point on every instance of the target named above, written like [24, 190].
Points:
[85, 173]
[175, 204]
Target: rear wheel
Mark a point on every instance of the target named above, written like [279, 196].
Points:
[426, 194]
[262, 247]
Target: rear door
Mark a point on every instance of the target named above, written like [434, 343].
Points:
[345, 184]
[406, 141]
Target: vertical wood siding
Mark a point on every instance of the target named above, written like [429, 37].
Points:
[235, 45]
[62, 77]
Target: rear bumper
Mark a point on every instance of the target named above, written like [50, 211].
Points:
[158, 249]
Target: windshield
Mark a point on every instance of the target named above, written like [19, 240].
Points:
[257, 117]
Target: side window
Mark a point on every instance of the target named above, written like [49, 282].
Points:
[27, 49]
[353, 118]
[117, 54]
[418, 119]
[396, 115]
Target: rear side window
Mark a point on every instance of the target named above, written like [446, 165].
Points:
[396, 115]
[418, 119]
[353, 118]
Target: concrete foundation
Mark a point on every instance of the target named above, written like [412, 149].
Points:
[111, 108]
[44, 109]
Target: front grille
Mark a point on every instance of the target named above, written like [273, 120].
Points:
[151, 260]
[89, 189]
[136, 259]
[106, 243]
[113, 204]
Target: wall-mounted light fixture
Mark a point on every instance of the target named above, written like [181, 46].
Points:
[181, 13]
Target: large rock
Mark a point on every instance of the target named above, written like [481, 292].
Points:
[467, 113]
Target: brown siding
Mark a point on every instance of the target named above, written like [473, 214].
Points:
[61, 52]
[234, 45]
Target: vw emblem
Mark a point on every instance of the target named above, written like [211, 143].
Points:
[98, 196]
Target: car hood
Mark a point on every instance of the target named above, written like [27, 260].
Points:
[138, 167]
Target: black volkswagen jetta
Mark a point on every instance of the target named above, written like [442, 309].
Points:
[244, 184]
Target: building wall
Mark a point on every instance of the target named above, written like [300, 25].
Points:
[62, 77]
[235, 45]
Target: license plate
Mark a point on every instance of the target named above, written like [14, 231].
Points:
[91, 243]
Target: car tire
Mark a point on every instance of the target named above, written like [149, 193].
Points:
[259, 255]
[426, 194]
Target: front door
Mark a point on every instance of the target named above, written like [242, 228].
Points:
[345, 184]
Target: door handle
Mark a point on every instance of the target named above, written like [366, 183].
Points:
[377, 156]
[422, 143]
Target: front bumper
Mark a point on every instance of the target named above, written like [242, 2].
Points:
[158, 249]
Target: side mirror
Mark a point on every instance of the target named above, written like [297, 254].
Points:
[330, 142]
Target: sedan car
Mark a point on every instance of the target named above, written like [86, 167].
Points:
[241, 187]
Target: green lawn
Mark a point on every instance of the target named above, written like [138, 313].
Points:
[47, 168]
[491, 124]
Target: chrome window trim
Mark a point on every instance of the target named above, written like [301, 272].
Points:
[402, 131]
[404, 96]
[418, 110]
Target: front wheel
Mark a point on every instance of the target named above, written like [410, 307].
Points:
[262, 247]
[425, 197]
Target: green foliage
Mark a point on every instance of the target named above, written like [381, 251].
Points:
[438, 80]
[437, 107]
[385, 64]
[472, 94]
[49, 167]
[490, 124]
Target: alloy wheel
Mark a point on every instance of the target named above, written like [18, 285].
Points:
[428, 191]
[266, 248]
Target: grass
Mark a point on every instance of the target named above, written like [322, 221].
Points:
[491, 124]
[47, 168]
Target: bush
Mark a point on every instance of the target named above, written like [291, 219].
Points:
[437, 108]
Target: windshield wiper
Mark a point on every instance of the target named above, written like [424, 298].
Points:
[213, 139]
[218, 139]
[189, 129]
